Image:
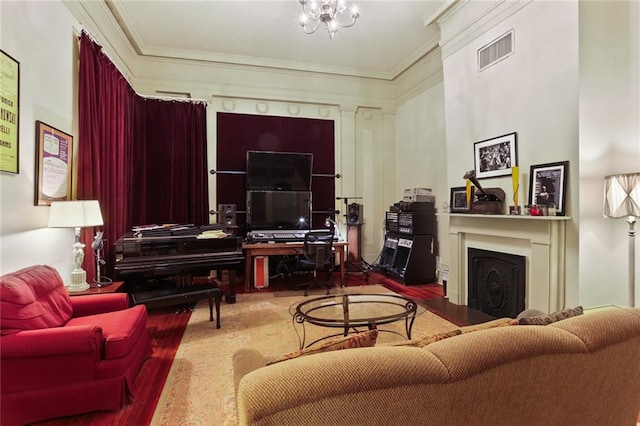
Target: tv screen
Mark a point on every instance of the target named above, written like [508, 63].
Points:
[279, 171]
[275, 210]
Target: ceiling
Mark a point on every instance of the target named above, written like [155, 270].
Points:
[388, 37]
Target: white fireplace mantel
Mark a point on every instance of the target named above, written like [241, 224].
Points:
[541, 239]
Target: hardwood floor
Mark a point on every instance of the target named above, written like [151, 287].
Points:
[458, 314]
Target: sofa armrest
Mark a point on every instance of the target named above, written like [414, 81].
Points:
[47, 358]
[51, 342]
[244, 362]
[92, 304]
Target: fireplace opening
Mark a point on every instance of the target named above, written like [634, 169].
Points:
[496, 284]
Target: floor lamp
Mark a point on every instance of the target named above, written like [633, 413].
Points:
[76, 214]
[622, 199]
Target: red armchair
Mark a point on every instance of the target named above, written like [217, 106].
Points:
[62, 355]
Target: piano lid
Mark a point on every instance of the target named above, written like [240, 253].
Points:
[131, 246]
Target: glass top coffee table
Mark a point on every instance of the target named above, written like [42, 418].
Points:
[352, 311]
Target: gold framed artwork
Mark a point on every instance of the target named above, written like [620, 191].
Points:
[9, 109]
[54, 153]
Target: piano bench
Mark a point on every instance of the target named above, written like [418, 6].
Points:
[182, 295]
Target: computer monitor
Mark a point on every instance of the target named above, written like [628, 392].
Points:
[275, 210]
[279, 171]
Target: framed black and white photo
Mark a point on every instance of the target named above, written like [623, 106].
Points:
[548, 185]
[496, 156]
[458, 202]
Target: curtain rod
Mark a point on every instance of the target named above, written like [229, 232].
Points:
[162, 98]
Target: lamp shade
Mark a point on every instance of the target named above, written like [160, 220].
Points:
[75, 214]
[622, 195]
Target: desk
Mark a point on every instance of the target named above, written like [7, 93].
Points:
[273, 249]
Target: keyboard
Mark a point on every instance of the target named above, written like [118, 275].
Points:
[279, 235]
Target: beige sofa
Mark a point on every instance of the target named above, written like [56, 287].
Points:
[583, 370]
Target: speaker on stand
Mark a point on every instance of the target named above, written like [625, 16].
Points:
[227, 214]
[355, 220]
[354, 214]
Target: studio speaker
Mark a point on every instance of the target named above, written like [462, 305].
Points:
[227, 214]
[354, 214]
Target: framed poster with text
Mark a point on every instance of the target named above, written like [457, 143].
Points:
[53, 165]
[9, 101]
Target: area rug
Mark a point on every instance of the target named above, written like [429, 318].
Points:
[199, 388]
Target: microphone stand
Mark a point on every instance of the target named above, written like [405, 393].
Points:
[349, 264]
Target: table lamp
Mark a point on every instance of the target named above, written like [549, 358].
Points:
[622, 199]
[76, 214]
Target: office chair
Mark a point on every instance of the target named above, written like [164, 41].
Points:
[317, 255]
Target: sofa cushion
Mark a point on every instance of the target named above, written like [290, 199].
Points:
[33, 298]
[356, 340]
[426, 340]
[551, 318]
[120, 329]
[500, 322]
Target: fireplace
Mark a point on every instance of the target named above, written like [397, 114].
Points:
[496, 282]
[539, 239]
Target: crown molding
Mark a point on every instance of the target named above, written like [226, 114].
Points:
[466, 20]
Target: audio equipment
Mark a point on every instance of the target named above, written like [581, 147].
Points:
[354, 214]
[416, 206]
[414, 261]
[227, 214]
[412, 223]
[388, 255]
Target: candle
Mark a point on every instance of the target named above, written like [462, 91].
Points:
[516, 184]
[468, 192]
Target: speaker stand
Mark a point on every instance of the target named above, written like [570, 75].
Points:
[353, 233]
[355, 261]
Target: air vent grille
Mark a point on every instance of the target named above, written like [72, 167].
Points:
[495, 51]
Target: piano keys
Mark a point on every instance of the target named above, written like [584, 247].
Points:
[140, 258]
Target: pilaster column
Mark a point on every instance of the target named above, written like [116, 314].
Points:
[348, 165]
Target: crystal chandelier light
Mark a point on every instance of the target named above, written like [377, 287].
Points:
[329, 12]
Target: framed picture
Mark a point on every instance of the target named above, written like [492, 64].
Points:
[54, 154]
[494, 157]
[548, 185]
[9, 102]
[458, 202]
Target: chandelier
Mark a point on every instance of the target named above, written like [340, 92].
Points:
[329, 12]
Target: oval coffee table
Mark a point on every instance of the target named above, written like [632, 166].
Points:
[353, 311]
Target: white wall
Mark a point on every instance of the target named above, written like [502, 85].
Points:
[39, 35]
[420, 152]
[609, 142]
[534, 92]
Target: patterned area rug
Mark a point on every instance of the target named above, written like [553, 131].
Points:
[199, 388]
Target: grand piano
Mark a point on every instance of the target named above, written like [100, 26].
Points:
[142, 256]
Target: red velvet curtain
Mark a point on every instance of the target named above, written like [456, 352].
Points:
[171, 176]
[105, 106]
[144, 160]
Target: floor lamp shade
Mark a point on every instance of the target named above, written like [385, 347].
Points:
[622, 195]
[622, 199]
[76, 214]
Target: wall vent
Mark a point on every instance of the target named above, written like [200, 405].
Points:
[496, 51]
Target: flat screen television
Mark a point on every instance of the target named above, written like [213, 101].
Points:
[273, 210]
[279, 171]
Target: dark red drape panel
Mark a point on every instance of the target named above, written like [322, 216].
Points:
[144, 160]
[105, 104]
[171, 176]
[239, 133]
